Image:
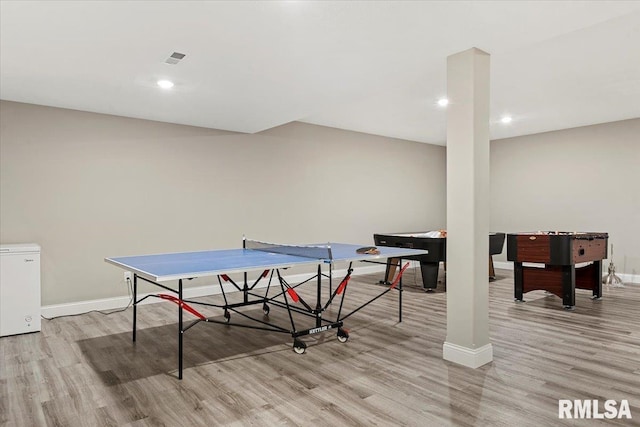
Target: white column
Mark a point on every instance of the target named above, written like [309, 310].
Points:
[467, 341]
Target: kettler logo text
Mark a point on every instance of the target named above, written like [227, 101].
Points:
[320, 329]
[593, 409]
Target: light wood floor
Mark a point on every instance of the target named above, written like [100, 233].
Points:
[85, 370]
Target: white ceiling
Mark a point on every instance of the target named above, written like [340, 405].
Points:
[375, 67]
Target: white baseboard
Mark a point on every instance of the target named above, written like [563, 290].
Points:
[109, 304]
[469, 357]
[627, 279]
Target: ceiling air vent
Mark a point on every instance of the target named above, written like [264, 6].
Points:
[175, 58]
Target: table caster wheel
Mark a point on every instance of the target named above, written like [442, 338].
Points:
[299, 346]
[227, 316]
[343, 335]
[265, 309]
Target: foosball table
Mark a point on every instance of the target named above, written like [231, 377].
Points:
[559, 252]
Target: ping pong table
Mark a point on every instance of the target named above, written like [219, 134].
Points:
[268, 260]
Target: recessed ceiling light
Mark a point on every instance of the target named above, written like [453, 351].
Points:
[506, 119]
[165, 84]
[443, 102]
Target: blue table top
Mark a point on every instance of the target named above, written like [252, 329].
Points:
[186, 265]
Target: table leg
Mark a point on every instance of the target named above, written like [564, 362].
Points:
[569, 286]
[597, 279]
[319, 298]
[180, 331]
[518, 276]
[135, 304]
[492, 271]
[429, 274]
[399, 295]
[392, 264]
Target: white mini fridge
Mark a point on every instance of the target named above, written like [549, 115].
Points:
[19, 289]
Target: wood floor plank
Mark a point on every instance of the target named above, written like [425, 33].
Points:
[84, 370]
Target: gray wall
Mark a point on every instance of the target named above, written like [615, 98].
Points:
[86, 186]
[582, 179]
